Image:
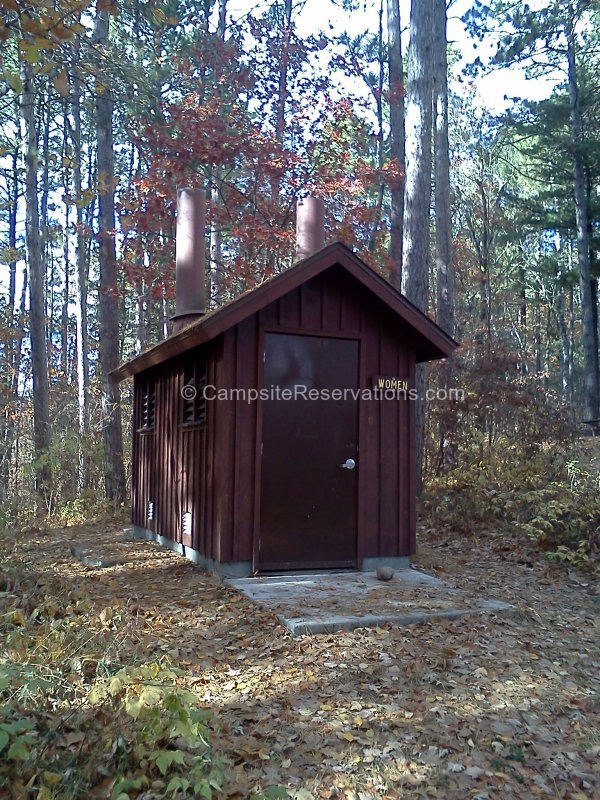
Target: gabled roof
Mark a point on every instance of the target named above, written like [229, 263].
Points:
[429, 339]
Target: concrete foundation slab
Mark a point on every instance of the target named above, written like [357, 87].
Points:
[329, 602]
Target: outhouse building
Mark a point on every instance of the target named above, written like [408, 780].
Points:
[277, 432]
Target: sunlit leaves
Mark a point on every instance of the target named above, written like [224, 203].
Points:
[61, 83]
[42, 27]
[442, 708]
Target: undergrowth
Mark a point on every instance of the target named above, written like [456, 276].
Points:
[555, 504]
[508, 458]
[75, 721]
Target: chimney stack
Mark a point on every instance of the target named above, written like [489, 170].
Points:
[310, 227]
[190, 293]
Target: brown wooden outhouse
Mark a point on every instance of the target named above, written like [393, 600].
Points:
[277, 432]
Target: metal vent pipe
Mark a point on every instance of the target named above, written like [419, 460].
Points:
[310, 227]
[190, 291]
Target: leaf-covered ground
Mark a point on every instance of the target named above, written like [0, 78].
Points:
[480, 707]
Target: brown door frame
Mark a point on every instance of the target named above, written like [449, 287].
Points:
[323, 334]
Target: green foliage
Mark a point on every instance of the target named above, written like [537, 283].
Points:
[563, 518]
[506, 459]
[518, 497]
[71, 712]
[166, 715]
[270, 793]
[16, 736]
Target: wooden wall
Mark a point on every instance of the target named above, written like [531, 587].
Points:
[212, 470]
[172, 463]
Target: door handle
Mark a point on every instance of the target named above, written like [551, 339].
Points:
[349, 463]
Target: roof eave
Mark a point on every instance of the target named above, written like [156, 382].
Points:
[437, 343]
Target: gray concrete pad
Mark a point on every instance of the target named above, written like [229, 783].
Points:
[88, 556]
[329, 602]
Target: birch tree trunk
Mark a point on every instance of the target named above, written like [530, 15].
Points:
[114, 472]
[37, 306]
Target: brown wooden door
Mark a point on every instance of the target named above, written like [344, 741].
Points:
[308, 507]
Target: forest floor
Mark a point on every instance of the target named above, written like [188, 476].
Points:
[479, 707]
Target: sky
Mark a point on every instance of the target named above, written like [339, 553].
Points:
[328, 16]
[325, 15]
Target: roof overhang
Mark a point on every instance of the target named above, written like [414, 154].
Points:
[431, 342]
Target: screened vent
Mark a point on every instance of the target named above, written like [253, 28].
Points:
[186, 524]
[194, 384]
[150, 510]
[148, 405]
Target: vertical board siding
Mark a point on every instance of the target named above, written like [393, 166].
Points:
[403, 458]
[351, 318]
[246, 376]
[389, 455]
[412, 466]
[369, 460]
[289, 309]
[311, 307]
[161, 463]
[143, 466]
[210, 470]
[330, 306]
[190, 497]
[225, 449]
[210, 493]
[137, 463]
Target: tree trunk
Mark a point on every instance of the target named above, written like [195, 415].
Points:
[589, 335]
[564, 340]
[537, 332]
[222, 23]
[141, 317]
[45, 116]
[37, 307]
[417, 195]
[81, 273]
[397, 136]
[571, 343]
[282, 93]
[64, 321]
[9, 380]
[216, 243]
[216, 234]
[443, 223]
[485, 256]
[378, 96]
[114, 472]
[21, 316]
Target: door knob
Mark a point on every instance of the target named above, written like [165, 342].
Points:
[349, 463]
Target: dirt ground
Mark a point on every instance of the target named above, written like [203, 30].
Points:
[480, 707]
